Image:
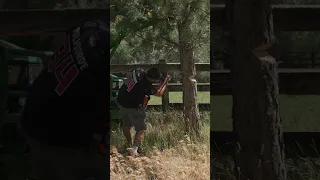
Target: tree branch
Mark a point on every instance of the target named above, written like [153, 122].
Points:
[123, 35]
[169, 40]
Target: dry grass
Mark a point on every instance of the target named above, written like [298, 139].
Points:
[185, 161]
[168, 152]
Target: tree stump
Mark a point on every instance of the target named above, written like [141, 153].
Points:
[3, 85]
[165, 96]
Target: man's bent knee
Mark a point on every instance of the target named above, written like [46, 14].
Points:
[139, 121]
[140, 127]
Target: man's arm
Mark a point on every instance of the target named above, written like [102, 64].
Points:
[162, 87]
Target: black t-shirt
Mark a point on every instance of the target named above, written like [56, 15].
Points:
[64, 104]
[132, 92]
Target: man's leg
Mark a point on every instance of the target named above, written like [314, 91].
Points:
[127, 134]
[126, 123]
[138, 138]
[139, 123]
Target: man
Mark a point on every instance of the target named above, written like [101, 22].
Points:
[132, 99]
[65, 112]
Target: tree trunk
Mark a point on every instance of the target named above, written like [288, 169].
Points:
[257, 123]
[187, 59]
[3, 85]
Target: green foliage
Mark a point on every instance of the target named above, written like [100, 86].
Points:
[147, 30]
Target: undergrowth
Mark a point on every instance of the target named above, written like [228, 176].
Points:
[168, 152]
[297, 168]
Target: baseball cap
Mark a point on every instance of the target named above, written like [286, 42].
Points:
[154, 73]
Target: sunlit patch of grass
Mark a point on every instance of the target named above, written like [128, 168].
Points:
[176, 97]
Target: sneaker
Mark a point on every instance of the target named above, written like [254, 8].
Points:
[132, 152]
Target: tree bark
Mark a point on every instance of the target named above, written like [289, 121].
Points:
[257, 123]
[187, 59]
[3, 85]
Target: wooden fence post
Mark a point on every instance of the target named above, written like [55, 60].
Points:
[165, 96]
[313, 61]
[3, 85]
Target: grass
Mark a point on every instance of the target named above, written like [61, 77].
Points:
[176, 97]
[169, 153]
[297, 169]
[299, 113]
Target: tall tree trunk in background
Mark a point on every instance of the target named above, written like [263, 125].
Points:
[257, 123]
[187, 60]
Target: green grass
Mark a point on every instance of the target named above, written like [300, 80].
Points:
[164, 131]
[176, 97]
[299, 113]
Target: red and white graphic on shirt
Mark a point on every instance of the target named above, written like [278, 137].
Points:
[133, 78]
[63, 66]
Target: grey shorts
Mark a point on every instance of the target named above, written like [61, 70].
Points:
[133, 117]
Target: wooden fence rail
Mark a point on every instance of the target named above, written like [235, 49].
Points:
[310, 59]
[291, 81]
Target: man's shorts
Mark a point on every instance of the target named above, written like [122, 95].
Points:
[133, 117]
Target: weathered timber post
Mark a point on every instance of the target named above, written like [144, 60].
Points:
[313, 60]
[257, 124]
[3, 84]
[165, 96]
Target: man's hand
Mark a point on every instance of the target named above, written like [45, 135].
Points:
[163, 86]
[168, 78]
